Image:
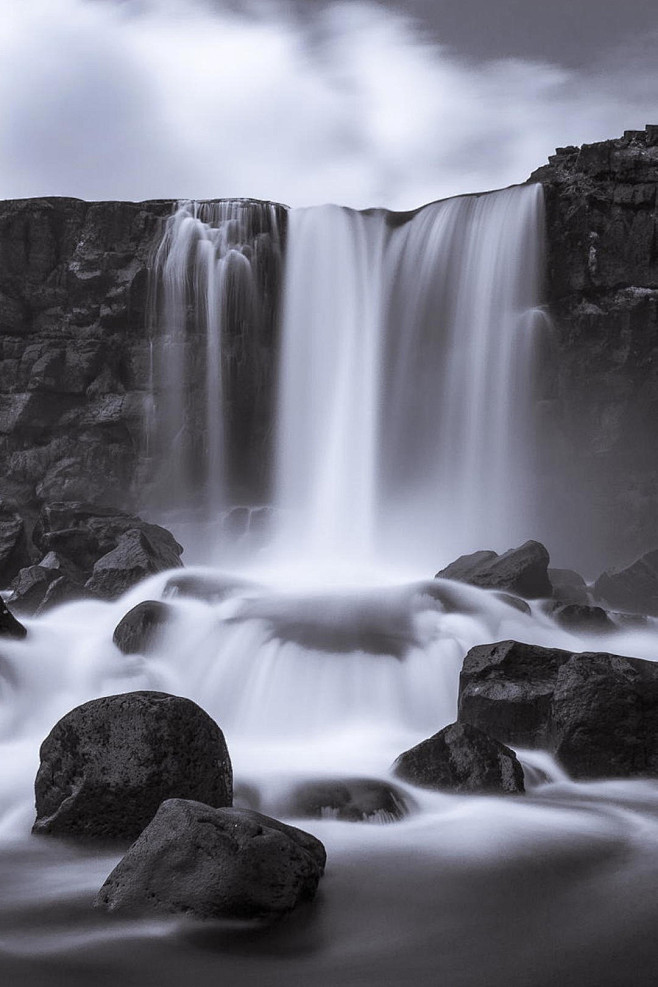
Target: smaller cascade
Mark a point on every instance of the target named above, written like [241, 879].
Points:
[212, 302]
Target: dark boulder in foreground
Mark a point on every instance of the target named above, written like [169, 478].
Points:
[107, 765]
[9, 626]
[506, 689]
[350, 799]
[522, 570]
[597, 712]
[138, 632]
[461, 758]
[633, 588]
[604, 719]
[215, 863]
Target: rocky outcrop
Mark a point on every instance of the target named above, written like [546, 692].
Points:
[522, 570]
[597, 712]
[600, 459]
[462, 759]
[215, 863]
[76, 360]
[107, 765]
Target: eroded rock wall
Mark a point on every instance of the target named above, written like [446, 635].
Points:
[601, 404]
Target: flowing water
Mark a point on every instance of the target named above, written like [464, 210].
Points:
[407, 370]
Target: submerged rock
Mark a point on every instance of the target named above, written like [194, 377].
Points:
[633, 588]
[107, 765]
[523, 570]
[350, 799]
[461, 758]
[210, 587]
[215, 863]
[579, 617]
[139, 630]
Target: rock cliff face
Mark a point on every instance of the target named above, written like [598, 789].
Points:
[75, 353]
[602, 401]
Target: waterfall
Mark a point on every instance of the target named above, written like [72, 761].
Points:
[211, 290]
[406, 388]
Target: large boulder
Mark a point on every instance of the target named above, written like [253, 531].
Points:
[107, 765]
[349, 799]
[633, 588]
[604, 716]
[215, 863]
[139, 631]
[522, 570]
[506, 690]
[461, 758]
[138, 553]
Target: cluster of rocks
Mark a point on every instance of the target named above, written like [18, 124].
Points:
[74, 550]
[153, 768]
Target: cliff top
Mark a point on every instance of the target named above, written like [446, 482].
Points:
[630, 158]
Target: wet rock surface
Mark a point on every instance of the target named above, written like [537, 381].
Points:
[583, 619]
[9, 625]
[462, 759]
[523, 570]
[349, 799]
[632, 588]
[215, 863]
[107, 765]
[141, 628]
[597, 712]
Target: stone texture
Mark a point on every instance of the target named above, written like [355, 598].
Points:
[139, 553]
[600, 378]
[348, 799]
[580, 618]
[215, 863]
[462, 759]
[139, 631]
[522, 570]
[107, 765]
[632, 588]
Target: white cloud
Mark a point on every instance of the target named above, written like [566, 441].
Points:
[169, 98]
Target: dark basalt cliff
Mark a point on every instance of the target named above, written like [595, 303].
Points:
[602, 403]
[76, 355]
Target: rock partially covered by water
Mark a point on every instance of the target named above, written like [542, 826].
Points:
[522, 570]
[107, 765]
[604, 717]
[138, 632]
[633, 588]
[9, 626]
[568, 586]
[506, 689]
[215, 863]
[54, 580]
[139, 553]
[461, 758]
[597, 712]
[349, 799]
[582, 618]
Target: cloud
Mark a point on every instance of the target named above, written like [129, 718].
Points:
[165, 98]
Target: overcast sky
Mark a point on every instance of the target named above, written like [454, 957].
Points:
[363, 102]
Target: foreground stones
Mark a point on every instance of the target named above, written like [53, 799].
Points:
[107, 765]
[522, 570]
[215, 863]
[462, 759]
[597, 712]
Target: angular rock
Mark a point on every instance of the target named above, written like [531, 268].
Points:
[568, 586]
[138, 632]
[633, 588]
[461, 758]
[9, 626]
[523, 570]
[54, 580]
[63, 590]
[350, 799]
[29, 588]
[107, 765]
[215, 864]
[604, 720]
[506, 690]
[139, 553]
